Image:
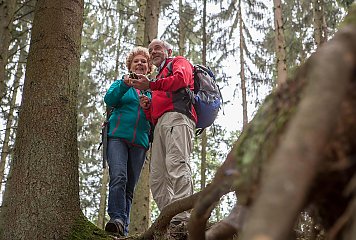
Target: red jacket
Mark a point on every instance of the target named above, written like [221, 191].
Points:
[169, 90]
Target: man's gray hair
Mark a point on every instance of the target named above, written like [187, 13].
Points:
[161, 42]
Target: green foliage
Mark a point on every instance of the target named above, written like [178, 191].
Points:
[345, 3]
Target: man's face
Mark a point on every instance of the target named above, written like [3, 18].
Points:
[157, 53]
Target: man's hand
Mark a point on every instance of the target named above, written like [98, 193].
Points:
[144, 102]
[142, 83]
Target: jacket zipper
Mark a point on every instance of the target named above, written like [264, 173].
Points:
[137, 119]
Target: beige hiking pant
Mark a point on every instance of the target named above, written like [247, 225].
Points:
[170, 173]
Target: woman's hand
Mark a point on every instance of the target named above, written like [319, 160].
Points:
[145, 102]
[128, 80]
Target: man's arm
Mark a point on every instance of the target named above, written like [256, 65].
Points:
[182, 77]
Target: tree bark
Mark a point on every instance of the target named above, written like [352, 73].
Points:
[182, 30]
[41, 200]
[280, 42]
[319, 22]
[140, 215]
[103, 197]
[242, 71]
[151, 20]
[140, 25]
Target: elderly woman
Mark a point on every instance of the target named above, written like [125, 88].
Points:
[127, 140]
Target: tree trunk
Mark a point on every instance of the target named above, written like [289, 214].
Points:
[319, 22]
[103, 197]
[140, 25]
[280, 42]
[19, 72]
[242, 73]
[7, 10]
[203, 166]
[41, 200]
[140, 216]
[204, 138]
[118, 43]
[151, 20]
[181, 30]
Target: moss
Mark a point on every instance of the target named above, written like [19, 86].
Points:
[258, 142]
[350, 19]
[85, 230]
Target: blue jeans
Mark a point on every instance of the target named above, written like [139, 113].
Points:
[125, 163]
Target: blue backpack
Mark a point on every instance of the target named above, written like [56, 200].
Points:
[207, 96]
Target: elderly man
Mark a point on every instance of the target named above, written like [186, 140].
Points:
[172, 112]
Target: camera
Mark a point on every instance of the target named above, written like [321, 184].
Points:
[133, 75]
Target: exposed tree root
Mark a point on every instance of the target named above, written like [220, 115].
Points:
[284, 191]
[159, 227]
[229, 226]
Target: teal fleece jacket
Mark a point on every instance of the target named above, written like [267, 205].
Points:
[128, 120]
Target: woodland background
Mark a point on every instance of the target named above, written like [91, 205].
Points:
[252, 46]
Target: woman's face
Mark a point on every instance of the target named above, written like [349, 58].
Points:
[139, 64]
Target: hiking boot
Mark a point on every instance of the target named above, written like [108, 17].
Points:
[115, 226]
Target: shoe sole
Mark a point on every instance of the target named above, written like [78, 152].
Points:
[111, 227]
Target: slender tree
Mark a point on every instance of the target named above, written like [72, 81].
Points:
[182, 29]
[10, 118]
[43, 186]
[140, 29]
[319, 22]
[7, 10]
[280, 42]
[103, 197]
[151, 20]
[204, 139]
[242, 68]
[141, 207]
